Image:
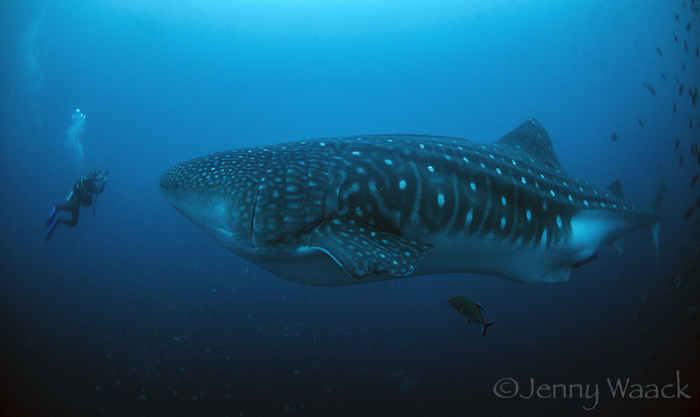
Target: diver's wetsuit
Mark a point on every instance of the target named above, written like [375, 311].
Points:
[81, 193]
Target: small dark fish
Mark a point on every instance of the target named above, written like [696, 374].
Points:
[697, 51]
[689, 212]
[650, 88]
[663, 76]
[641, 123]
[675, 38]
[686, 45]
[471, 310]
[683, 66]
[659, 51]
[677, 17]
[695, 95]
[688, 26]
[680, 162]
[694, 180]
[613, 137]
[680, 90]
[697, 202]
[674, 106]
[691, 123]
[678, 142]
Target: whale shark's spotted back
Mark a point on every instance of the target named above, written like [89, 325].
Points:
[385, 206]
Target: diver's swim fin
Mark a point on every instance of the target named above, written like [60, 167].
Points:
[51, 229]
[51, 218]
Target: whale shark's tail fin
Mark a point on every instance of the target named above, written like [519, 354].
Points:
[654, 227]
[656, 204]
[616, 189]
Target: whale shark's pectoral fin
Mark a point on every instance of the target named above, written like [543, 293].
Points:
[362, 250]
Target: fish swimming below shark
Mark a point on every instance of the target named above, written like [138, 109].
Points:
[473, 311]
[360, 209]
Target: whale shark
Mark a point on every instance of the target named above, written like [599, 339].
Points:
[359, 209]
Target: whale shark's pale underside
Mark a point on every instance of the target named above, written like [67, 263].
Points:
[348, 210]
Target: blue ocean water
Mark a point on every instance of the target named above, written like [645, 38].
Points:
[137, 312]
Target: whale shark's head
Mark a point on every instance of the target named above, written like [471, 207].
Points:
[255, 200]
[200, 189]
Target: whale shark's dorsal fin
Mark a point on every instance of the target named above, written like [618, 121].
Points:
[530, 141]
[616, 189]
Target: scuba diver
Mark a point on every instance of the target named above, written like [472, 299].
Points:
[81, 194]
